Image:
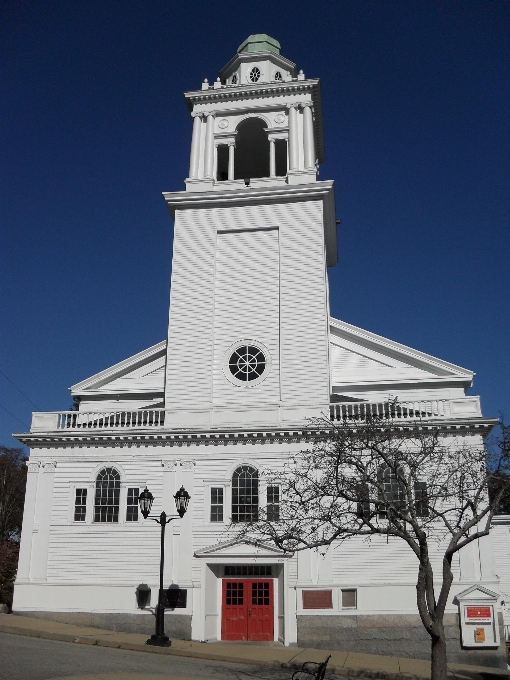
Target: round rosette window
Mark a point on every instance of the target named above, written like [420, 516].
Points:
[247, 363]
[254, 74]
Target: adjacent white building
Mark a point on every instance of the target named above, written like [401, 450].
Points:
[251, 354]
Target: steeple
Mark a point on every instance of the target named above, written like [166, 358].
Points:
[259, 124]
[248, 338]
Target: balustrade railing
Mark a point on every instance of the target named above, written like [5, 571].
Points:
[405, 410]
[338, 412]
[111, 419]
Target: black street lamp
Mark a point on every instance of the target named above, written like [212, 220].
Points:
[145, 500]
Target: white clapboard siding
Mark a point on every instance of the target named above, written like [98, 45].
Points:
[354, 560]
[349, 366]
[145, 378]
[246, 307]
[191, 312]
[304, 315]
[304, 367]
[501, 541]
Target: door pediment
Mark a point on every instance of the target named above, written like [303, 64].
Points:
[244, 548]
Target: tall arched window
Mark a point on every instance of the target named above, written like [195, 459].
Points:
[251, 158]
[245, 494]
[106, 502]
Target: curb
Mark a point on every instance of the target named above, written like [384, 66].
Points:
[214, 656]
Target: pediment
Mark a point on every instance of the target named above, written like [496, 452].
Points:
[141, 373]
[476, 592]
[359, 357]
[241, 548]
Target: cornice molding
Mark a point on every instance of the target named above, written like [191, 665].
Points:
[450, 426]
[226, 92]
[186, 199]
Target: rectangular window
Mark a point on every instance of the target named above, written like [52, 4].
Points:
[132, 505]
[248, 570]
[273, 503]
[80, 505]
[421, 499]
[363, 494]
[349, 599]
[217, 504]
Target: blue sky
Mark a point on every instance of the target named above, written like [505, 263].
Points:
[94, 128]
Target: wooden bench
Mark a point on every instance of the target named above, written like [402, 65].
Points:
[311, 668]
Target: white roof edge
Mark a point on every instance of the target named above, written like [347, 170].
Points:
[403, 349]
[131, 362]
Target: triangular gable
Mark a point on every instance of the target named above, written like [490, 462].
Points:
[142, 372]
[361, 357]
[241, 548]
[475, 592]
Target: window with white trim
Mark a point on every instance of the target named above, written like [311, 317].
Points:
[217, 504]
[80, 505]
[349, 598]
[245, 494]
[132, 505]
[273, 503]
[107, 497]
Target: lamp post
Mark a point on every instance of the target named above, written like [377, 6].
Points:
[145, 500]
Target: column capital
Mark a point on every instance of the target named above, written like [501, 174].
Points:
[49, 466]
[209, 114]
[188, 464]
[306, 105]
[33, 467]
[293, 105]
[197, 114]
[169, 465]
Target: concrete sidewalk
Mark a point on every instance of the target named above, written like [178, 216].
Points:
[259, 654]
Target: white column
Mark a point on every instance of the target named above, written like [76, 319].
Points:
[28, 522]
[486, 553]
[195, 146]
[231, 148]
[308, 137]
[168, 505]
[39, 560]
[272, 158]
[209, 146]
[293, 138]
[186, 528]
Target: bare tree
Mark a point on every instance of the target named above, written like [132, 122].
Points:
[376, 477]
[12, 498]
[12, 491]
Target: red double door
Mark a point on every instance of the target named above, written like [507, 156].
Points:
[247, 610]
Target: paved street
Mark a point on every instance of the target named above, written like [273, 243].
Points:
[26, 658]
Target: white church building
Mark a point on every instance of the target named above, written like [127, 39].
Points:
[252, 353]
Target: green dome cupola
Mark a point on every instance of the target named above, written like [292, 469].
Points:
[260, 42]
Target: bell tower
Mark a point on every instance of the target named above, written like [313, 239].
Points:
[254, 233]
[258, 124]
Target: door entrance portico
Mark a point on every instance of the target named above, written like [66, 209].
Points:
[254, 605]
